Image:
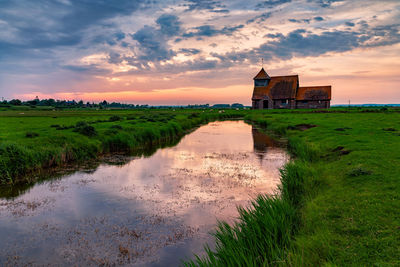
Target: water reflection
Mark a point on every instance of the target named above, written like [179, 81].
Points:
[90, 166]
[150, 211]
[262, 142]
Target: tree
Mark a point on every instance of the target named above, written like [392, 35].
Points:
[15, 102]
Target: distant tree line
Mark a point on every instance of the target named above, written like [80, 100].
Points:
[68, 104]
[61, 104]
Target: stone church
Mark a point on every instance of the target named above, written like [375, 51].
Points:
[284, 92]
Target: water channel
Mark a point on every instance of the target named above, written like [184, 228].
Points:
[150, 211]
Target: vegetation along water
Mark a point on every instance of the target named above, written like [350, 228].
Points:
[338, 202]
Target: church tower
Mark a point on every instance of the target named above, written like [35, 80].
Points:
[261, 81]
[262, 78]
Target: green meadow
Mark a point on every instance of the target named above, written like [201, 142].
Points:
[338, 204]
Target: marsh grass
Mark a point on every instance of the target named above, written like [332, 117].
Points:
[338, 203]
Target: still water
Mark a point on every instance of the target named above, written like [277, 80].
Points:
[150, 211]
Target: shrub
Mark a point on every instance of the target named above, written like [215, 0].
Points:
[193, 115]
[115, 118]
[81, 124]
[83, 128]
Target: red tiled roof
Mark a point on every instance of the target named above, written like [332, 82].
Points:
[314, 93]
[279, 87]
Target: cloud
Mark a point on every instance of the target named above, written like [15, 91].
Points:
[325, 3]
[46, 24]
[301, 43]
[153, 41]
[189, 51]
[298, 43]
[300, 20]
[271, 3]
[209, 5]
[260, 18]
[152, 44]
[209, 30]
[170, 24]
[382, 35]
[318, 18]
[46, 38]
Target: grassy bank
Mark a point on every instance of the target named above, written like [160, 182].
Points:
[338, 204]
[32, 140]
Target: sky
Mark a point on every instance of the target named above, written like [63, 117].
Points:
[169, 52]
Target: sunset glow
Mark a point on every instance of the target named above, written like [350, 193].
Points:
[187, 52]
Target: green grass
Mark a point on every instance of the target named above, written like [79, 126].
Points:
[339, 199]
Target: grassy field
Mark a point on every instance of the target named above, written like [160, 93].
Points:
[339, 199]
[339, 202]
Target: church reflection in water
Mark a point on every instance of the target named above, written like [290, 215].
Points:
[262, 142]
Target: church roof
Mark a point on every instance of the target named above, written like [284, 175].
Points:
[279, 87]
[314, 93]
[262, 74]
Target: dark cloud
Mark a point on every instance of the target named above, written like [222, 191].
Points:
[209, 30]
[189, 51]
[325, 3]
[153, 41]
[46, 24]
[318, 18]
[271, 3]
[90, 69]
[300, 20]
[152, 44]
[383, 35]
[260, 18]
[297, 43]
[110, 37]
[209, 5]
[114, 58]
[274, 35]
[169, 24]
[301, 43]
[119, 36]
[350, 24]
